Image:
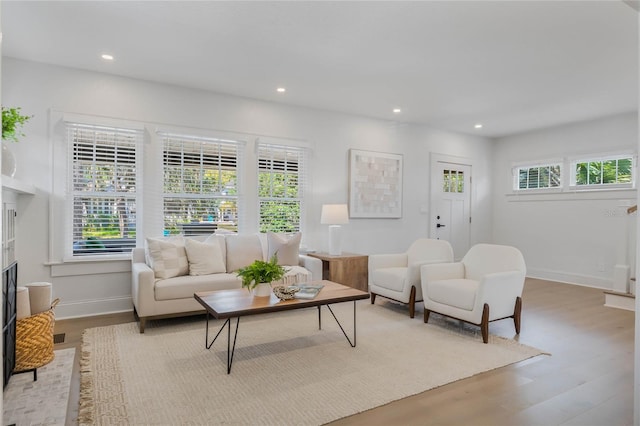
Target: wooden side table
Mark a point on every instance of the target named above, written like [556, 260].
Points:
[347, 268]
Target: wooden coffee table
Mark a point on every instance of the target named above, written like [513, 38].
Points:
[236, 303]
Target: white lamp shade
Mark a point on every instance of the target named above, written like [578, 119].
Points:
[334, 214]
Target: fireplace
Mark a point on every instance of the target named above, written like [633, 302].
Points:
[9, 284]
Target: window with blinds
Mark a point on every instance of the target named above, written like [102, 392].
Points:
[103, 188]
[200, 184]
[544, 176]
[282, 174]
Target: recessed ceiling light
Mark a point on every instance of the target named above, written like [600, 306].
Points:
[281, 90]
[478, 126]
[397, 110]
[107, 57]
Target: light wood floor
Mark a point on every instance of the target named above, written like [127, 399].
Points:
[587, 379]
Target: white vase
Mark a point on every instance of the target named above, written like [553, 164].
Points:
[262, 290]
[8, 161]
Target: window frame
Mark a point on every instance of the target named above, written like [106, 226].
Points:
[602, 158]
[206, 164]
[265, 148]
[517, 168]
[74, 249]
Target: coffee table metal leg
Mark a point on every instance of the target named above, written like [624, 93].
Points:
[230, 350]
[319, 318]
[235, 337]
[353, 345]
[206, 338]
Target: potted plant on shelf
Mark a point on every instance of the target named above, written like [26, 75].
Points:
[258, 276]
[12, 122]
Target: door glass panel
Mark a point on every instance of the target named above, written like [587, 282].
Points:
[460, 182]
[446, 181]
[453, 181]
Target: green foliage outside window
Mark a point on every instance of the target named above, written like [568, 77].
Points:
[607, 172]
[279, 203]
[104, 226]
[279, 216]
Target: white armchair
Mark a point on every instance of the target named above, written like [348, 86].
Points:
[397, 276]
[485, 286]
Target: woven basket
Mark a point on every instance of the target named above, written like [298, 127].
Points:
[34, 340]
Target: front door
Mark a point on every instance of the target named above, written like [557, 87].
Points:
[451, 204]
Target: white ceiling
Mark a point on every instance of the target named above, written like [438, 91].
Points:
[513, 66]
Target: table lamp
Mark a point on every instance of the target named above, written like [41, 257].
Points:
[334, 215]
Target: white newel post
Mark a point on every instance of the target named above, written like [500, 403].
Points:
[622, 268]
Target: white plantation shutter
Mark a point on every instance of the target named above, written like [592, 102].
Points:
[103, 188]
[200, 184]
[538, 176]
[282, 178]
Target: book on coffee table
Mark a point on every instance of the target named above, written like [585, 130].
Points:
[308, 291]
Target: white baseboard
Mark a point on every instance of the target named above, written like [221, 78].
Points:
[620, 301]
[564, 277]
[89, 308]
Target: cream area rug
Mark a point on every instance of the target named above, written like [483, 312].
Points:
[285, 370]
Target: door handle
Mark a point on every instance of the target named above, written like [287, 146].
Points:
[440, 226]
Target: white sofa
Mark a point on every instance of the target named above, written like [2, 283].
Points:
[169, 270]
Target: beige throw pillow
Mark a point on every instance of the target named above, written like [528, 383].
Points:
[204, 258]
[286, 245]
[220, 240]
[242, 250]
[168, 258]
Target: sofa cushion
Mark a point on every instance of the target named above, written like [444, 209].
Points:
[176, 239]
[221, 242]
[390, 278]
[204, 258]
[167, 257]
[459, 292]
[287, 246]
[242, 250]
[184, 287]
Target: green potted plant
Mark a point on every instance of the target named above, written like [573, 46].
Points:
[260, 274]
[12, 122]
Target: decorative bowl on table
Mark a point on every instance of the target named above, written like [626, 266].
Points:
[285, 293]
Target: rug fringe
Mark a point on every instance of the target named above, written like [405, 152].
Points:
[86, 412]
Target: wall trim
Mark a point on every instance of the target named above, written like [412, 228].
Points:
[569, 278]
[89, 267]
[95, 307]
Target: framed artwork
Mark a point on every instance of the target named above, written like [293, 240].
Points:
[375, 184]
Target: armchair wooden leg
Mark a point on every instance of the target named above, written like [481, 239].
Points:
[517, 312]
[484, 325]
[412, 302]
[373, 298]
[143, 322]
[426, 315]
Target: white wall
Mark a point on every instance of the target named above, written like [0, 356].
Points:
[87, 289]
[574, 237]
